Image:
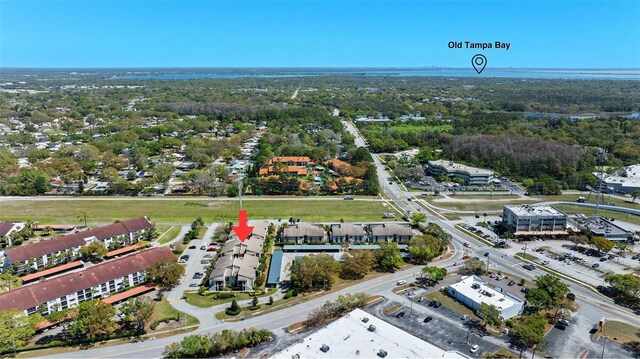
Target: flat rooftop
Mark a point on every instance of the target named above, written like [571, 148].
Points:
[451, 166]
[529, 210]
[350, 337]
[601, 226]
[477, 290]
[623, 181]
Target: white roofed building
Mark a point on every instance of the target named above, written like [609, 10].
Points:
[473, 291]
[362, 335]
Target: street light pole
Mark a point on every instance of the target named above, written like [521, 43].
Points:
[524, 254]
[603, 344]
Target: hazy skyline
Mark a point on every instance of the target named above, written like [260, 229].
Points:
[552, 34]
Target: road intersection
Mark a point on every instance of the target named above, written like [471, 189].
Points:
[593, 306]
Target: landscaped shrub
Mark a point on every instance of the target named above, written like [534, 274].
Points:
[224, 295]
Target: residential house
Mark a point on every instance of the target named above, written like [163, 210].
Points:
[98, 281]
[347, 233]
[303, 233]
[390, 232]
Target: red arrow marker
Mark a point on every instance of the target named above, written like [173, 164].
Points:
[242, 230]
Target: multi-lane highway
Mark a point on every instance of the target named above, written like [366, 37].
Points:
[593, 306]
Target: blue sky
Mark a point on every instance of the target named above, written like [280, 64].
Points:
[543, 34]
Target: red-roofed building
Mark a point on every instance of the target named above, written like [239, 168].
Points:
[296, 166]
[7, 228]
[98, 281]
[65, 248]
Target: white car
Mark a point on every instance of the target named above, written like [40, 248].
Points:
[474, 348]
[401, 282]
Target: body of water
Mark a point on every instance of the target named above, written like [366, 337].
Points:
[572, 74]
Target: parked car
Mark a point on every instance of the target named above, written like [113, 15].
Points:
[595, 265]
[486, 254]
[474, 348]
[465, 244]
[545, 263]
[192, 247]
[422, 299]
[212, 249]
[437, 304]
[202, 248]
[427, 319]
[431, 303]
[464, 317]
[635, 256]
[511, 283]
[603, 259]
[194, 285]
[400, 315]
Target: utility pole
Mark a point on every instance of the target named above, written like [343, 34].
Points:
[240, 190]
[601, 156]
[487, 263]
[603, 344]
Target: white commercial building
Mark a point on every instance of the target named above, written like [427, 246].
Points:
[473, 291]
[362, 335]
[470, 175]
[534, 220]
[627, 183]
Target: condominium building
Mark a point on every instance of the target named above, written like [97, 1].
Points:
[34, 256]
[98, 281]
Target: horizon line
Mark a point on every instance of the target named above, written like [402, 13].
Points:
[305, 67]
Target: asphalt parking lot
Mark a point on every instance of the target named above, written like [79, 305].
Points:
[446, 330]
[575, 339]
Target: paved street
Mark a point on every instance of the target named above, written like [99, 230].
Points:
[593, 306]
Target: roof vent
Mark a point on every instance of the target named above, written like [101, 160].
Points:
[365, 319]
[372, 328]
[324, 348]
[382, 353]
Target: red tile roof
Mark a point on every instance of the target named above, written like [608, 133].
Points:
[129, 293]
[52, 271]
[123, 250]
[30, 296]
[5, 227]
[39, 249]
[290, 159]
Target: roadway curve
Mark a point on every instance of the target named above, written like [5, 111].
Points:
[593, 305]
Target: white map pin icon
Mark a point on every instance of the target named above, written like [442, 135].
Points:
[479, 62]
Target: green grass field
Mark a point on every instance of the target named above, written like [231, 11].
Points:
[168, 235]
[163, 310]
[186, 210]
